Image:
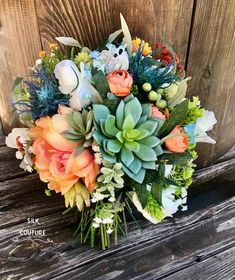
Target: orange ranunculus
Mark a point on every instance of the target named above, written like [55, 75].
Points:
[156, 113]
[178, 143]
[120, 82]
[60, 162]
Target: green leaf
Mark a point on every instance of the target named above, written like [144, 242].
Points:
[180, 159]
[77, 117]
[139, 177]
[156, 191]
[146, 153]
[132, 146]
[114, 146]
[142, 194]
[135, 166]
[151, 141]
[111, 104]
[17, 81]
[133, 107]
[181, 92]
[127, 34]
[100, 112]
[110, 126]
[114, 35]
[149, 125]
[100, 82]
[128, 123]
[120, 114]
[176, 117]
[127, 156]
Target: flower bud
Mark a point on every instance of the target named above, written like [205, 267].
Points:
[146, 87]
[161, 104]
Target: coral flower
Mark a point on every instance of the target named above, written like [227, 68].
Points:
[156, 113]
[59, 162]
[120, 82]
[178, 143]
[141, 44]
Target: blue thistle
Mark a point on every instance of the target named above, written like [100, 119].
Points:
[148, 70]
[45, 96]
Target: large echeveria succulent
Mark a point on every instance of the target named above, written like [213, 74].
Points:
[129, 136]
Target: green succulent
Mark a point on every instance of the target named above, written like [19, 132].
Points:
[129, 136]
[153, 208]
[81, 123]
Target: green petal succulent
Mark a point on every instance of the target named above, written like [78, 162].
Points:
[81, 123]
[129, 136]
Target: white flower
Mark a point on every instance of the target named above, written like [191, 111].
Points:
[95, 225]
[76, 83]
[19, 139]
[109, 230]
[17, 134]
[169, 203]
[98, 196]
[112, 199]
[97, 220]
[204, 124]
[107, 221]
[98, 158]
[112, 59]
[184, 208]
[19, 155]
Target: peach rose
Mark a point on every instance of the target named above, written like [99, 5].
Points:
[179, 143]
[60, 162]
[156, 113]
[120, 82]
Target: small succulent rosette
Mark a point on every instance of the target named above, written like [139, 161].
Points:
[111, 130]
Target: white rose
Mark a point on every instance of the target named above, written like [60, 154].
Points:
[76, 83]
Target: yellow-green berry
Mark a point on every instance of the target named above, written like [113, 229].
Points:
[146, 87]
[160, 90]
[161, 104]
[158, 97]
[153, 95]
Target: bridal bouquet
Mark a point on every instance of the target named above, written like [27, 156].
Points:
[110, 130]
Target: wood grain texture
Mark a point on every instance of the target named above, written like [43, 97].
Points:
[154, 253]
[211, 62]
[92, 21]
[220, 267]
[26, 195]
[150, 19]
[20, 44]
[9, 165]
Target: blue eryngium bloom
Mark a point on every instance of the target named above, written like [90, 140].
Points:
[189, 129]
[45, 96]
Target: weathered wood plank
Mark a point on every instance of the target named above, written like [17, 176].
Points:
[23, 197]
[211, 63]
[156, 252]
[88, 21]
[154, 259]
[220, 267]
[9, 165]
[20, 44]
[150, 19]
[92, 21]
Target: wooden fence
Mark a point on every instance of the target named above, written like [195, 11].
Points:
[202, 32]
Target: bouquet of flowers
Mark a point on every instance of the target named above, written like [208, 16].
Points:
[111, 130]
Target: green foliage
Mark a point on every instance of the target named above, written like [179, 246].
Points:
[128, 136]
[156, 191]
[194, 111]
[177, 115]
[180, 159]
[100, 82]
[81, 123]
[142, 194]
[154, 208]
